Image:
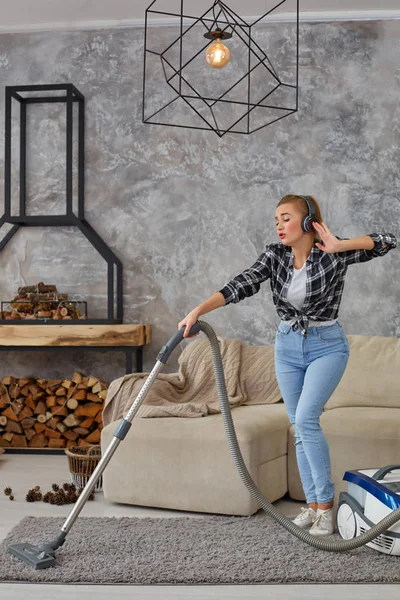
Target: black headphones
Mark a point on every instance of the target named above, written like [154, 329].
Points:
[308, 220]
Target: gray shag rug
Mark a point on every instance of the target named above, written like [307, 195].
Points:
[183, 550]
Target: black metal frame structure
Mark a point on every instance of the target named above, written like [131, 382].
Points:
[236, 25]
[114, 265]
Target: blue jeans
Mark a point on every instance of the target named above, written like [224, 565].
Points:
[308, 369]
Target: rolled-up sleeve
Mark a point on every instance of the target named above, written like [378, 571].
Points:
[383, 243]
[248, 283]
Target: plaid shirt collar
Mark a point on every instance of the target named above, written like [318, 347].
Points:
[315, 253]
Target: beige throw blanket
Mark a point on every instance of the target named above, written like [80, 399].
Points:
[249, 375]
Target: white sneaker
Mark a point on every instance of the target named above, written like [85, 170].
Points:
[323, 524]
[306, 518]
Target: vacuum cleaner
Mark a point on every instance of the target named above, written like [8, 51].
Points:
[371, 495]
[43, 556]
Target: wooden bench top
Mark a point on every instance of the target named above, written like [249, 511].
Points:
[75, 335]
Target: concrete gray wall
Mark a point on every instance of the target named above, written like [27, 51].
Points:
[184, 210]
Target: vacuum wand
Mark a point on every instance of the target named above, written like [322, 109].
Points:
[41, 557]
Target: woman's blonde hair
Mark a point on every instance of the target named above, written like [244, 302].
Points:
[303, 207]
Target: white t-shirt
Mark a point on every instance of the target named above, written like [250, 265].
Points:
[297, 294]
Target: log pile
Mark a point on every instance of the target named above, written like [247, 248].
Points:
[51, 413]
[41, 301]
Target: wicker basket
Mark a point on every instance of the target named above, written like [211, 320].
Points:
[81, 465]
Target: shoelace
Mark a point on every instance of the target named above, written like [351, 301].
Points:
[319, 521]
[304, 512]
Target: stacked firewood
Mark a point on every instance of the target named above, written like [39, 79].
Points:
[41, 301]
[51, 413]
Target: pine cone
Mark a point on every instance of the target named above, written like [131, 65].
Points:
[71, 497]
[8, 491]
[55, 487]
[69, 487]
[34, 495]
[47, 496]
[59, 498]
[11, 497]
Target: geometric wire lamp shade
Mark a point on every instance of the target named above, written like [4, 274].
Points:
[257, 87]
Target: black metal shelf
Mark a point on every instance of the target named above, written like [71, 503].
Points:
[70, 218]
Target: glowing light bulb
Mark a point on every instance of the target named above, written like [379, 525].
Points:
[217, 54]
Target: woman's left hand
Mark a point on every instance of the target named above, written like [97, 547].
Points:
[330, 242]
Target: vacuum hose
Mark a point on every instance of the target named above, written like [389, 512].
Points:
[304, 536]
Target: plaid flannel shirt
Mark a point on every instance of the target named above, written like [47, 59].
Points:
[325, 279]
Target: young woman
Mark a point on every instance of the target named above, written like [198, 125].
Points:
[311, 348]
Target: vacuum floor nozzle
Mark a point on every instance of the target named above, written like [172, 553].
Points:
[34, 556]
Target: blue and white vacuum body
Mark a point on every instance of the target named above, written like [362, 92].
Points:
[371, 495]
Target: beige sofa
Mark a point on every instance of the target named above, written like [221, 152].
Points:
[185, 464]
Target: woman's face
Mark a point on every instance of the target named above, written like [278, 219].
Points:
[288, 223]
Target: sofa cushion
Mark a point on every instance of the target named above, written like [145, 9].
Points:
[371, 377]
[264, 427]
[185, 464]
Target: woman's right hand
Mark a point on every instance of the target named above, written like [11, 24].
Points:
[189, 321]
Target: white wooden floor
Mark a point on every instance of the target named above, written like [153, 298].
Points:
[22, 472]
